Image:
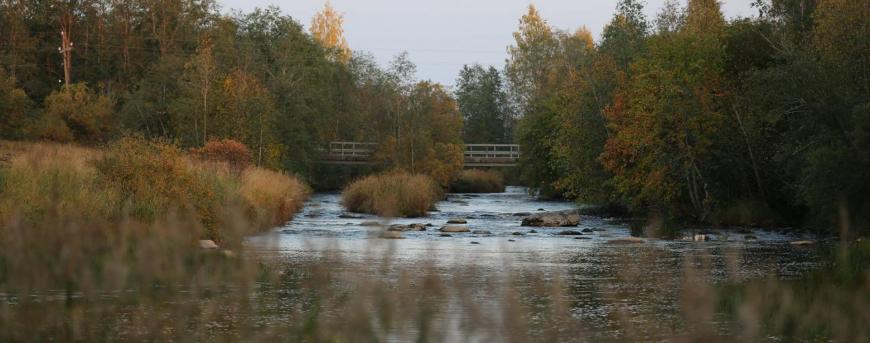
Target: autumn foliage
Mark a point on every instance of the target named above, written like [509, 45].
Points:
[144, 181]
[234, 153]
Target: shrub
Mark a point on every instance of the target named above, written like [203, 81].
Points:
[234, 153]
[478, 181]
[151, 177]
[273, 196]
[392, 194]
[75, 112]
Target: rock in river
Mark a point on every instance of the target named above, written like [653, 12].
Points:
[408, 227]
[481, 232]
[208, 244]
[349, 216]
[569, 233]
[457, 221]
[454, 228]
[553, 219]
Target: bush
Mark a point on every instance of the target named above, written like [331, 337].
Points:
[478, 181]
[234, 153]
[75, 112]
[392, 194]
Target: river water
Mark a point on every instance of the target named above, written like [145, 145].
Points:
[615, 291]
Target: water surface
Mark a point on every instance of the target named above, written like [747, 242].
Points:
[610, 288]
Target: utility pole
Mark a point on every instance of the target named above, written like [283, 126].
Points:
[66, 50]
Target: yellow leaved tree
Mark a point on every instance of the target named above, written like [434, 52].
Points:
[326, 27]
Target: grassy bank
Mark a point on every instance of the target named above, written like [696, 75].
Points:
[478, 181]
[392, 194]
[138, 180]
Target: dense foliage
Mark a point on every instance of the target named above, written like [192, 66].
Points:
[180, 70]
[691, 116]
[478, 181]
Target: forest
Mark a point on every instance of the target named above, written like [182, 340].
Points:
[92, 71]
[686, 116]
[689, 117]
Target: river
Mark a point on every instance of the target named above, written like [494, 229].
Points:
[612, 290]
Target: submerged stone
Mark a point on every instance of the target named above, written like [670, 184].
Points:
[454, 228]
[626, 240]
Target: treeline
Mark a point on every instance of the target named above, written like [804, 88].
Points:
[762, 120]
[179, 70]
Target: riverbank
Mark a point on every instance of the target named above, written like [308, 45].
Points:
[144, 181]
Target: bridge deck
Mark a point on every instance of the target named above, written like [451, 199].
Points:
[476, 155]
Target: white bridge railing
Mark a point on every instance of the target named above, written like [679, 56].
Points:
[476, 155]
[492, 151]
[351, 150]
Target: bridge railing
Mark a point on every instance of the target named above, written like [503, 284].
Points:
[505, 151]
[351, 151]
[474, 155]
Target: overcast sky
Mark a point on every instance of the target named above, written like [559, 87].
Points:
[443, 35]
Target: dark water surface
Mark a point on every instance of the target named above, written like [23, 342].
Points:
[612, 290]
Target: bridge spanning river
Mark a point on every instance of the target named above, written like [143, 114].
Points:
[476, 155]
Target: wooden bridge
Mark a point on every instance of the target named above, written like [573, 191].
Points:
[476, 155]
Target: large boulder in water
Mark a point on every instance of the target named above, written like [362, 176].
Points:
[553, 219]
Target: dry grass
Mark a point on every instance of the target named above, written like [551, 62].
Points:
[392, 194]
[478, 181]
[140, 180]
[274, 196]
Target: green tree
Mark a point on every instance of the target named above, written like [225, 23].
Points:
[624, 37]
[76, 113]
[15, 107]
[482, 102]
[247, 113]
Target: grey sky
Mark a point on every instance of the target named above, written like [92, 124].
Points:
[442, 35]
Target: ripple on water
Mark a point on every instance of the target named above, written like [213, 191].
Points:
[639, 278]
